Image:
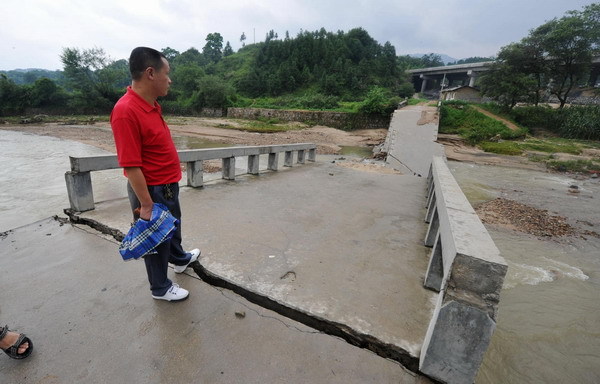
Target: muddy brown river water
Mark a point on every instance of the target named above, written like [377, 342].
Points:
[549, 316]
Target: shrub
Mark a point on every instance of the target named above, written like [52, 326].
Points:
[536, 117]
[406, 90]
[475, 127]
[318, 101]
[573, 165]
[378, 102]
[580, 122]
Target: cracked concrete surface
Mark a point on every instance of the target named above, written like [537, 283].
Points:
[92, 320]
[351, 265]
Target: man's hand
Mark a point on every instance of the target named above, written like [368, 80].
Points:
[146, 212]
[138, 184]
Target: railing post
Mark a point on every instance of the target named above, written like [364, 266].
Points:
[79, 189]
[312, 154]
[435, 270]
[229, 168]
[433, 229]
[195, 173]
[289, 159]
[253, 162]
[273, 161]
[301, 153]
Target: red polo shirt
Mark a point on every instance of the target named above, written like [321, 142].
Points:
[143, 139]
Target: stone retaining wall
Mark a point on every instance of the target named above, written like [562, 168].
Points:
[340, 120]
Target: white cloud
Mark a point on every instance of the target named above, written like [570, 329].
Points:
[34, 32]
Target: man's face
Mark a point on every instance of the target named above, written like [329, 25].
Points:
[162, 81]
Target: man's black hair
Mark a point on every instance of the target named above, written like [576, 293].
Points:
[142, 58]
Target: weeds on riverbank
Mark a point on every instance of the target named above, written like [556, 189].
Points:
[59, 119]
[475, 127]
[493, 136]
[531, 144]
[580, 166]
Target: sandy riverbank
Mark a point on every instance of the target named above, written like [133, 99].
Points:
[328, 140]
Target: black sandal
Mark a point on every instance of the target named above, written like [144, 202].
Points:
[13, 351]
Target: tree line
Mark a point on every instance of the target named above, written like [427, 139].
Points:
[317, 70]
[552, 60]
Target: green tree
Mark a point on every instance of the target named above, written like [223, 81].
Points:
[432, 60]
[227, 51]
[91, 78]
[185, 80]
[211, 93]
[378, 102]
[213, 49]
[507, 87]
[190, 56]
[554, 58]
[170, 53]
[113, 79]
[13, 98]
[474, 59]
[44, 93]
[591, 18]
[243, 39]
[568, 45]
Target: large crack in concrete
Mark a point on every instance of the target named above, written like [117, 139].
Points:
[102, 228]
[353, 337]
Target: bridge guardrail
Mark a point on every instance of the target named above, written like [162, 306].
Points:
[79, 182]
[467, 270]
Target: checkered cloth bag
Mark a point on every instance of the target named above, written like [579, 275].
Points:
[145, 235]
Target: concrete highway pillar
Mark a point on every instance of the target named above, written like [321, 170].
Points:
[424, 83]
[472, 77]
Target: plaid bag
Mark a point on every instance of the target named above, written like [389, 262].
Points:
[145, 235]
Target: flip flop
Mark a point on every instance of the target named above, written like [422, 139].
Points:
[13, 351]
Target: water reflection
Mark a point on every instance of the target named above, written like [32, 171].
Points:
[189, 142]
[349, 150]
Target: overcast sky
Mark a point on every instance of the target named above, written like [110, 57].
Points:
[34, 32]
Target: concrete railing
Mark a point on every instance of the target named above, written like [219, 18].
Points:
[468, 272]
[79, 182]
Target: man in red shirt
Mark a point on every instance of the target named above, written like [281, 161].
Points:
[147, 153]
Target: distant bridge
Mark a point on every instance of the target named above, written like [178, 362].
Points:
[452, 75]
[425, 79]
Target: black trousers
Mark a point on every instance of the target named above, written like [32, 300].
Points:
[171, 251]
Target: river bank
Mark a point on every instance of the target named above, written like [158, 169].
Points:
[218, 131]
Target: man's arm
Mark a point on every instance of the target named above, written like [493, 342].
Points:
[139, 186]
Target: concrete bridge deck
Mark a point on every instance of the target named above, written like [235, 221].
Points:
[335, 245]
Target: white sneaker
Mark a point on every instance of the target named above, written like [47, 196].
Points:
[180, 268]
[175, 293]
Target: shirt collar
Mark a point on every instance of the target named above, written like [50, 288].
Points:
[143, 103]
